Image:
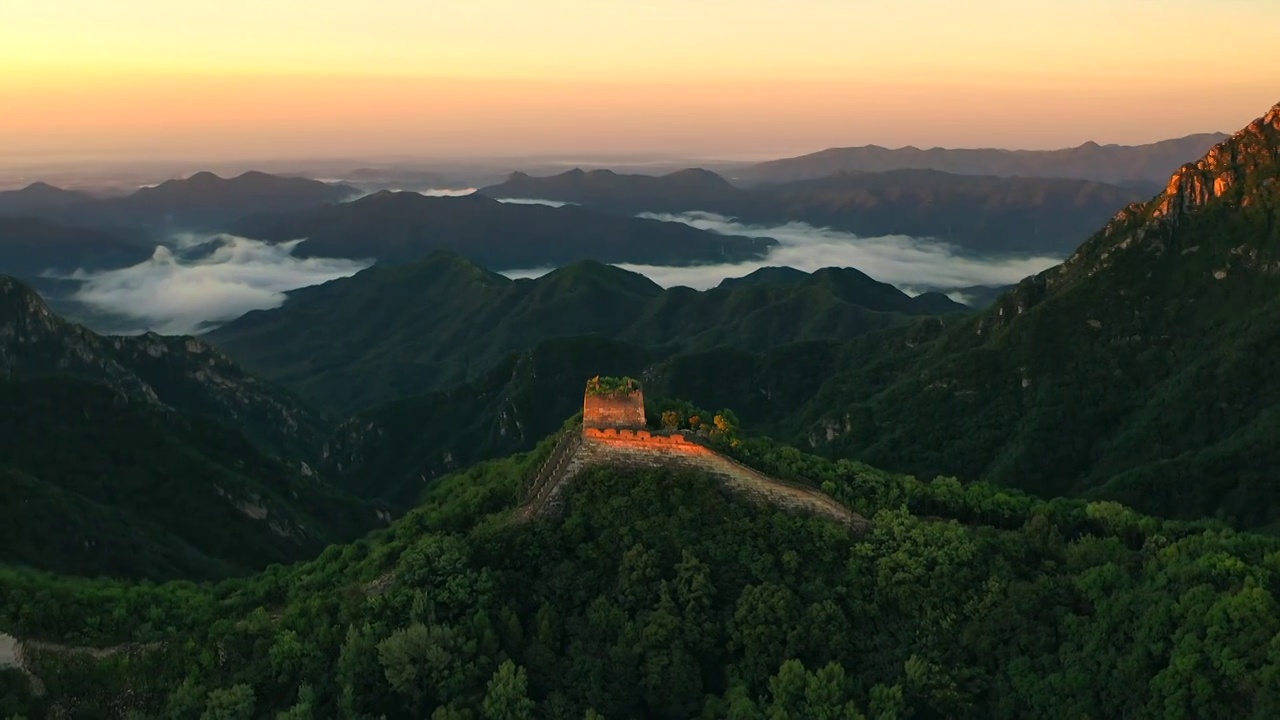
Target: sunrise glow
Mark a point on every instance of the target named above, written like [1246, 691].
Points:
[745, 78]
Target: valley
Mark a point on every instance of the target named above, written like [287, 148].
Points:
[643, 431]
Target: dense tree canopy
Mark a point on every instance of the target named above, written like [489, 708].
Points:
[659, 596]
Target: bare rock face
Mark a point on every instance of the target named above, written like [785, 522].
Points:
[179, 373]
[1240, 172]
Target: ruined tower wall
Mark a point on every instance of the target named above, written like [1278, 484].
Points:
[614, 410]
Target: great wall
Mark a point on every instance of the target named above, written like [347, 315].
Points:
[613, 432]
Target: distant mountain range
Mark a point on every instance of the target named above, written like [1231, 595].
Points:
[1121, 164]
[978, 214]
[405, 227]
[202, 202]
[30, 246]
[445, 319]
[1139, 370]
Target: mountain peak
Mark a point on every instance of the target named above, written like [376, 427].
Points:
[41, 187]
[17, 299]
[1186, 225]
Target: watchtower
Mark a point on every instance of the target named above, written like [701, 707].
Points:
[611, 402]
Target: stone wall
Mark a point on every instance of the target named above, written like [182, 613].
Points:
[643, 449]
[614, 410]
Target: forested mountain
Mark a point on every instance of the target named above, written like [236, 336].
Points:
[182, 373]
[1140, 369]
[98, 483]
[657, 595]
[976, 213]
[152, 456]
[405, 227]
[1090, 161]
[29, 247]
[445, 319]
[202, 202]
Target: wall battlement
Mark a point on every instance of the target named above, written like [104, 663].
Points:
[613, 433]
[658, 441]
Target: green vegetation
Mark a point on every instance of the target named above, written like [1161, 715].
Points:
[612, 385]
[658, 596]
[181, 373]
[97, 484]
[444, 321]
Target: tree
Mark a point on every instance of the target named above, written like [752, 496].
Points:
[507, 697]
[233, 703]
[186, 701]
[304, 709]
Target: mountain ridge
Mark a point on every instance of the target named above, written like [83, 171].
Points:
[979, 214]
[1091, 161]
[444, 318]
[183, 373]
[404, 227]
[1123, 373]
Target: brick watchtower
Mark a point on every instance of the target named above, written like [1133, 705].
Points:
[613, 403]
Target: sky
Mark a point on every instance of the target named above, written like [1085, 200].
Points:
[234, 79]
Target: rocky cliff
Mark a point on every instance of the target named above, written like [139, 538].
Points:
[181, 373]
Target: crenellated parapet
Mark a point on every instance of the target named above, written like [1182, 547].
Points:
[636, 447]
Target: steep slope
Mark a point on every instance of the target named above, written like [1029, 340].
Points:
[405, 227]
[977, 213]
[392, 331]
[1140, 369]
[657, 595]
[181, 373]
[1090, 161]
[29, 247]
[97, 483]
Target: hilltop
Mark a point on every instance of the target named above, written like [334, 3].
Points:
[654, 594]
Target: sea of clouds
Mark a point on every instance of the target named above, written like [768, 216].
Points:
[198, 280]
[912, 264]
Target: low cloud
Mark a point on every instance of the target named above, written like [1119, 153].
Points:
[202, 280]
[913, 264]
[445, 192]
[365, 192]
[535, 201]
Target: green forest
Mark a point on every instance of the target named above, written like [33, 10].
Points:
[657, 595]
[1066, 504]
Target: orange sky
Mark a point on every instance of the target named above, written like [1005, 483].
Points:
[238, 79]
